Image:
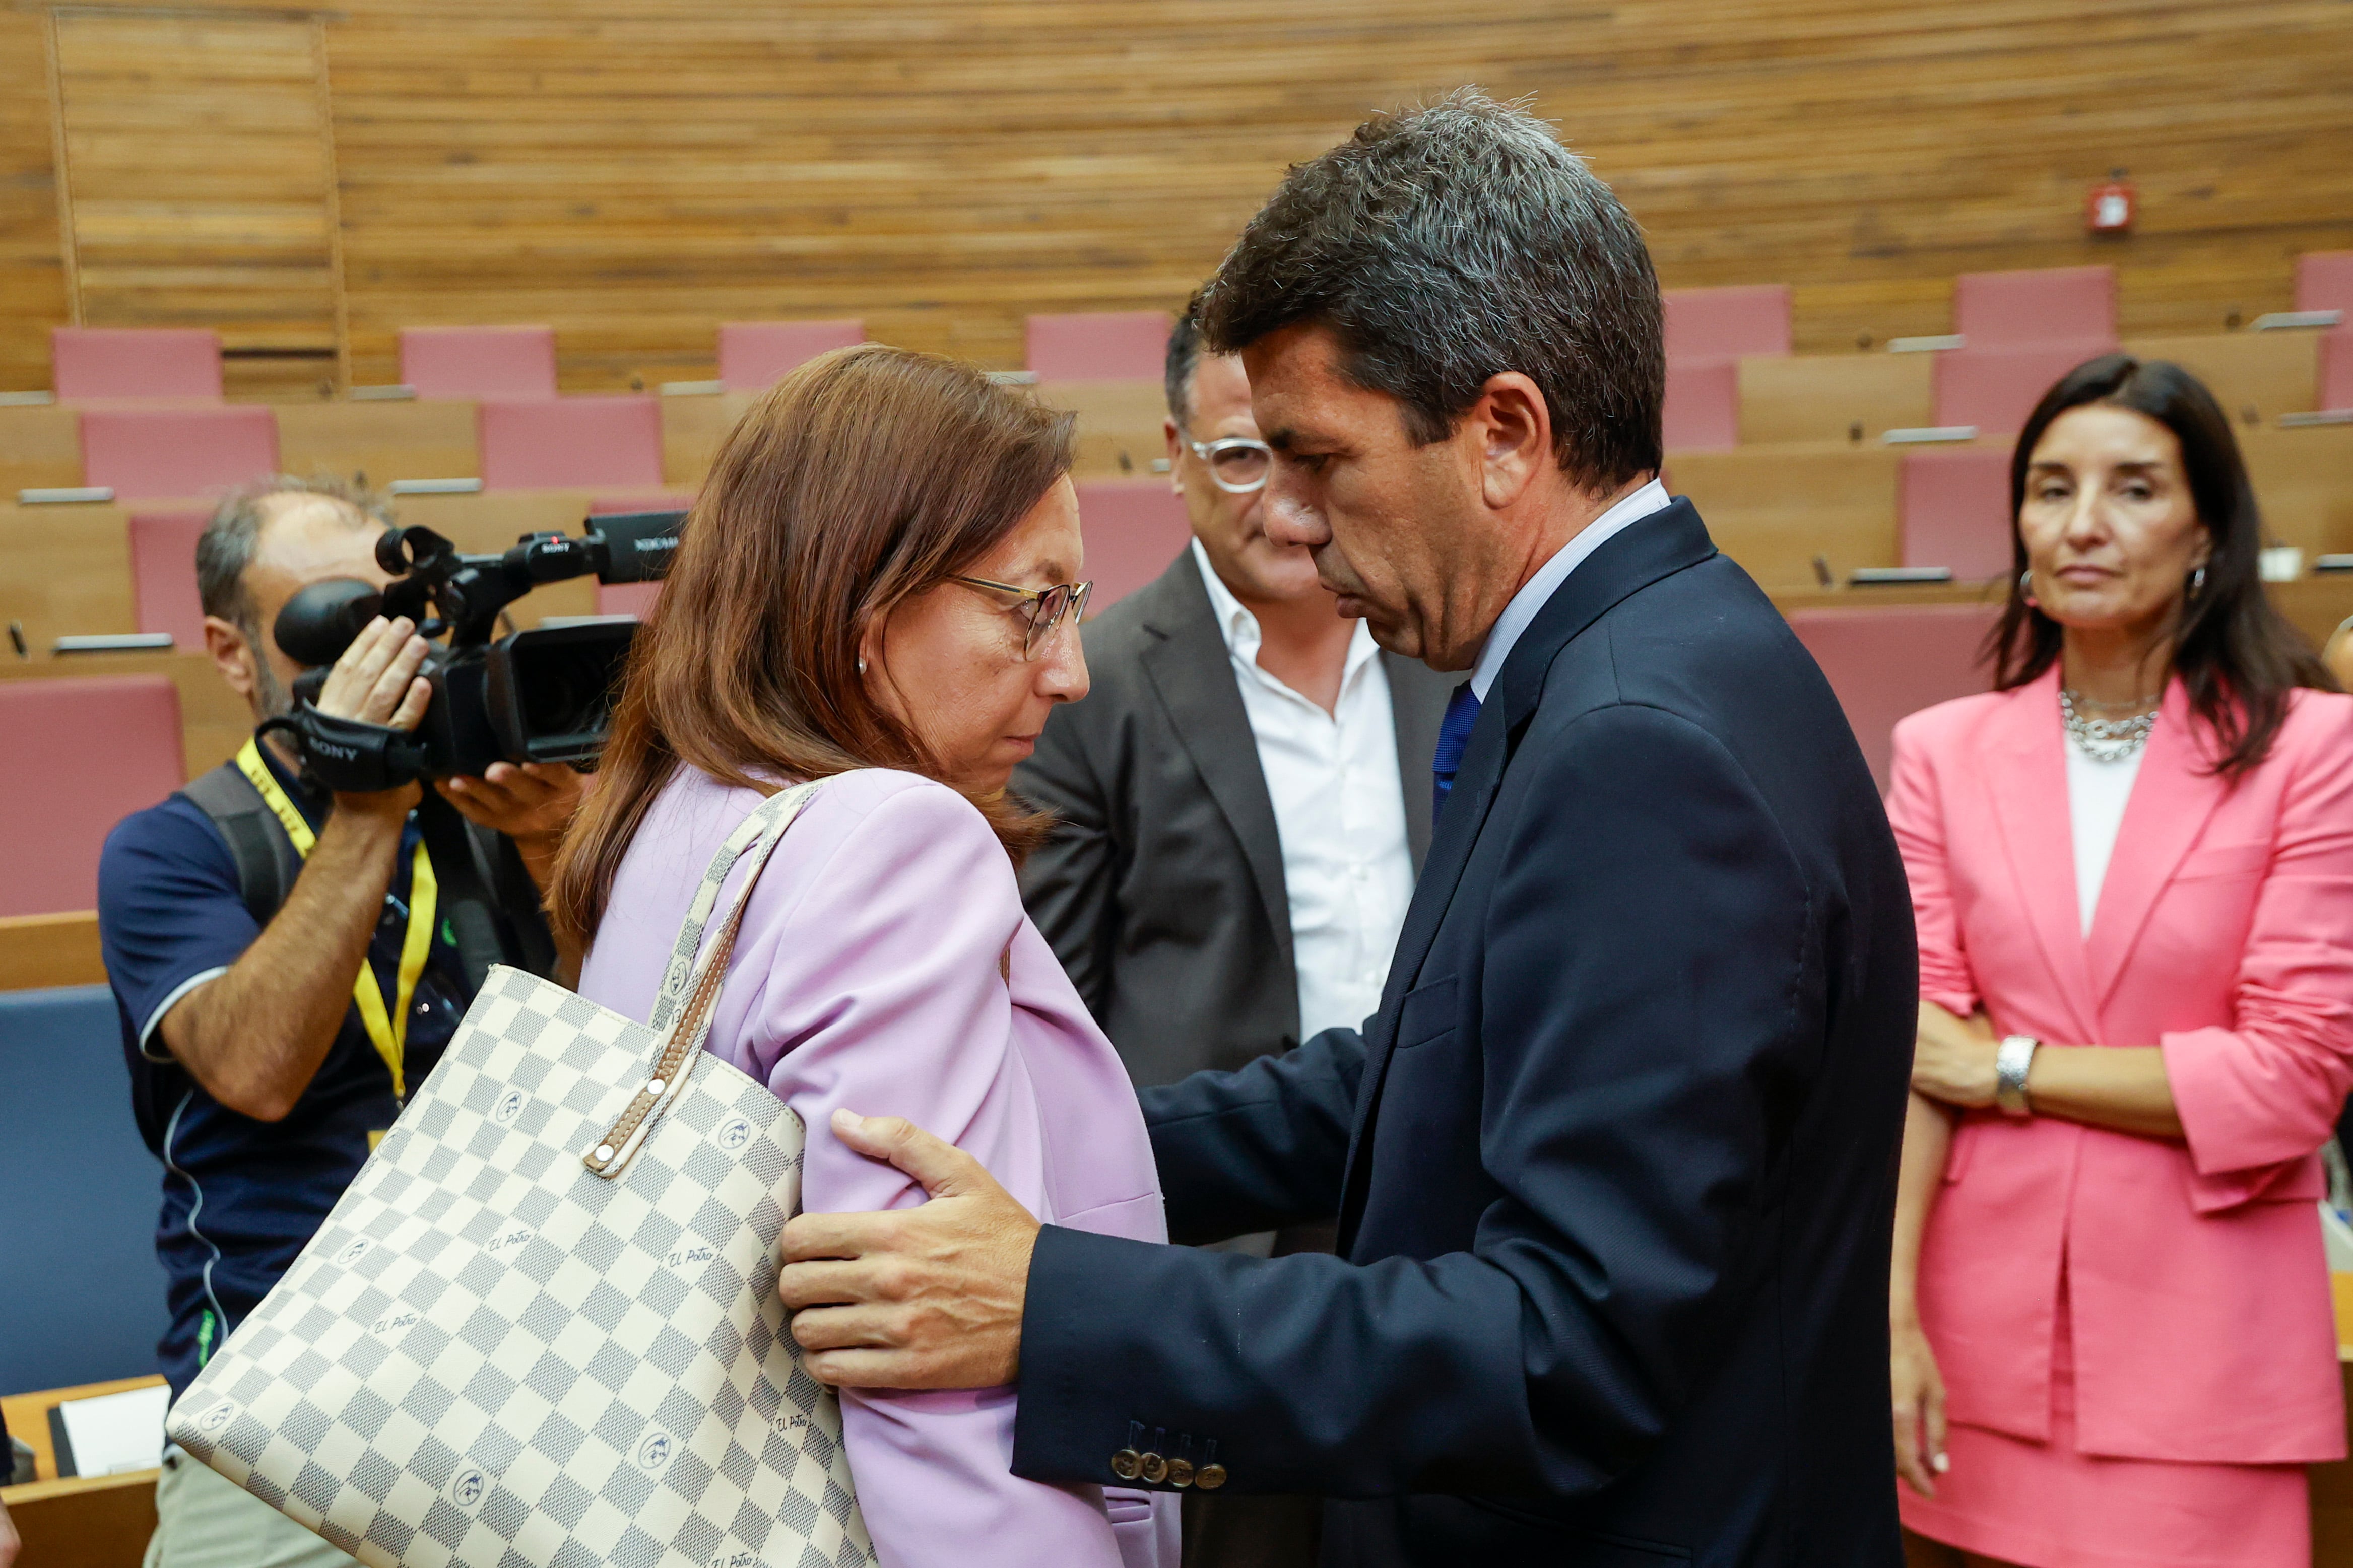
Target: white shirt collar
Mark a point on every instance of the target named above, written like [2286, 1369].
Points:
[1539, 589]
[1240, 629]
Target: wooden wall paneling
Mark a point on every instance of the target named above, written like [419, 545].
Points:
[1773, 510]
[67, 571]
[33, 295]
[197, 160]
[39, 447]
[384, 441]
[694, 427]
[2255, 376]
[943, 169]
[1118, 434]
[1833, 397]
[2303, 483]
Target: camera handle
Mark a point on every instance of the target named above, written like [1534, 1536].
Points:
[487, 896]
[349, 757]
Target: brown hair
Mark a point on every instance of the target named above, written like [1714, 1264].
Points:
[2237, 656]
[868, 476]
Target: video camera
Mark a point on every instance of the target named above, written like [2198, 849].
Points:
[538, 695]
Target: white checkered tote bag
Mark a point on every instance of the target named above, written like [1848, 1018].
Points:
[541, 1328]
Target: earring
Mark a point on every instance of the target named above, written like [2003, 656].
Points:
[2026, 588]
[2198, 582]
[861, 667]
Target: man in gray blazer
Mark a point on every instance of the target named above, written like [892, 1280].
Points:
[1238, 841]
[1236, 845]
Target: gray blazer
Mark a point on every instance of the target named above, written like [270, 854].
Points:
[1162, 889]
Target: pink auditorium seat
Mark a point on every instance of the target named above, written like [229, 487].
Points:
[756, 355]
[1702, 408]
[1726, 323]
[1995, 389]
[164, 574]
[1132, 529]
[94, 363]
[2324, 281]
[478, 362]
[1888, 662]
[558, 443]
[143, 452]
[2335, 389]
[1954, 505]
[1110, 345]
[2050, 305]
[83, 752]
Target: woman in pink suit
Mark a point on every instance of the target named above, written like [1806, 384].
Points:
[2132, 871]
[877, 589]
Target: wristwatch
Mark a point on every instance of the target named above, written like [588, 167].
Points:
[2011, 1062]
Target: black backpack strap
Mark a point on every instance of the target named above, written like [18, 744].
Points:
[267, 861]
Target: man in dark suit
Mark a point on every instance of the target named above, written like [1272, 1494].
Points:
[1238, 835]
[1614, 1161]
[1236, 840]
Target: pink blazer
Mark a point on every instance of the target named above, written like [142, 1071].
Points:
[2195, 1279]
[867, 974]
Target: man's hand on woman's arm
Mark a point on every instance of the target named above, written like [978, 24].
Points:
[922, 1298]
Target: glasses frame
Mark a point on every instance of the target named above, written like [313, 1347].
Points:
[1041, 626]
[1208, 451]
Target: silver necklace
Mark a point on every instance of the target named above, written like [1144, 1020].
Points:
[2105, 739]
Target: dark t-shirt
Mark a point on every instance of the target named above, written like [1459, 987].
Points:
[241, 1196]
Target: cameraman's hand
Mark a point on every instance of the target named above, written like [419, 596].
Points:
[532, 804]
[377, 682]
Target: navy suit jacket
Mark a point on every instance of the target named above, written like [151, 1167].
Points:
[1614, 1164]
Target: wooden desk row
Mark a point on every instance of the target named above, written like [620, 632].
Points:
[2255, 376]
[1119, 433]
[68, 570]
[76, 1522]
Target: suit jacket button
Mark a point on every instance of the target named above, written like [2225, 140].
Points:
[1180, 1472]
[1126, 1463]
[1209, 1478]
[1154, 1468]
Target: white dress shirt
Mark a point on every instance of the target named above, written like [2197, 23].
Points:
[1549, 576]
[2097, 792]
[1339, 812]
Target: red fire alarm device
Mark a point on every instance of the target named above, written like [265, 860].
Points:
[2109, 207]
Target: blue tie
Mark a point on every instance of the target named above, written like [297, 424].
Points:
[1453, 735]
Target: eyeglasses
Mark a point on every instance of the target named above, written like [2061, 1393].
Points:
[1237, 465]
[1045, 607]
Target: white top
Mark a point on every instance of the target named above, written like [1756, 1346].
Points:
[1549, 576]
[1339, 812]
[2096, 794]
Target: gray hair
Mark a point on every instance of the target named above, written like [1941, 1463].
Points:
[226, 549]
[1451, 243]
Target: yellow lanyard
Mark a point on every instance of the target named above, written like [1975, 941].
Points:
[390, 1035]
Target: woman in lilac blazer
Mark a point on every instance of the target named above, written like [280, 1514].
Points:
[875, 589]
[2132, 873]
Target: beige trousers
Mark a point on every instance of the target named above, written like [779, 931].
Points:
[203, 1521]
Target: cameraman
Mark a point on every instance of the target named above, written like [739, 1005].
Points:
[275, 1023]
